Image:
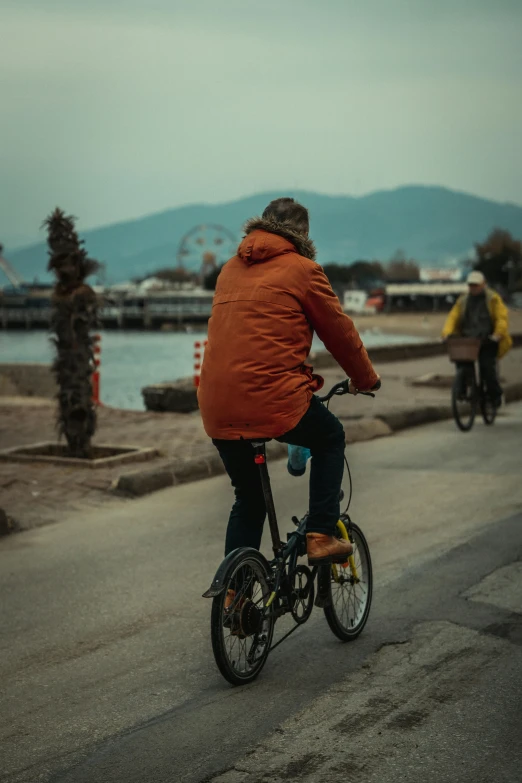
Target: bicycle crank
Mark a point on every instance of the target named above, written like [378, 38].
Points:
[302, 593]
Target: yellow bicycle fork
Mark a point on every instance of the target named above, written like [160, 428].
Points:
[351, 560]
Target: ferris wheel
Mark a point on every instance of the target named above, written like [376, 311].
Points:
[205, 247]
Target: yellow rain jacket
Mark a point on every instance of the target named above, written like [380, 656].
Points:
[499, 316]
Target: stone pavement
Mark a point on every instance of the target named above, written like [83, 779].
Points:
[36, 494]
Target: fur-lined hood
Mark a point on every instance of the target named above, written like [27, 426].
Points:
[303, 245]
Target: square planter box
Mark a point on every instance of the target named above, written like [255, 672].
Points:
[103, 456]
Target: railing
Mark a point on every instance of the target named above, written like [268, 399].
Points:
[150, 312]
[21, 314]
[195, 308]
[109, 312]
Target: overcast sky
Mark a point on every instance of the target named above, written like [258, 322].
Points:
[117, 108]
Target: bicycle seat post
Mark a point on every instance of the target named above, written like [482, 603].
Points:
[260, 460]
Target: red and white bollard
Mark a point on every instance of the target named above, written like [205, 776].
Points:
[96, 374]
[199, 349]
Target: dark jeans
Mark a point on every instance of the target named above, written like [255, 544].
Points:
[488, 369]
[321, 432]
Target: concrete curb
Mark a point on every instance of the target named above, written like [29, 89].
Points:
[513, 392]
[7, 524]
[389, 353]
[357, 430]
[143, 482]
[426, 414]
[414, 417]
[395, 353]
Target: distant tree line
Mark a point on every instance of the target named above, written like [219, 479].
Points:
[371, 274]
[499, 257]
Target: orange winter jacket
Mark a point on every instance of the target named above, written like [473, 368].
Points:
[269, 300]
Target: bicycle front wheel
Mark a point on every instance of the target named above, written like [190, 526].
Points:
[241, 624]
[464, 396]
[349, 586]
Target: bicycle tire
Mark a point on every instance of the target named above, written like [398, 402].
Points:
[239, 670]
[348, 625]
[469, 375]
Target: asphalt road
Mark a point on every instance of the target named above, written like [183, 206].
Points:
[106, 669]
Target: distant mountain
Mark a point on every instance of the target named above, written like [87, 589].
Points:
[15, 241]
[431, 224]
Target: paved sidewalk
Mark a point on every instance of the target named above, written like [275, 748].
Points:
[38, 494]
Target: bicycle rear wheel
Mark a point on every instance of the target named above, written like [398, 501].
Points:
[349, 587]
[464, 395]
[242, 632]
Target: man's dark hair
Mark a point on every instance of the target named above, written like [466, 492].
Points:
[288, 210]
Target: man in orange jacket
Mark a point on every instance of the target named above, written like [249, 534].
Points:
[269, 300]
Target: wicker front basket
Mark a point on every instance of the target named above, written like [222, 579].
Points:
[463, 349]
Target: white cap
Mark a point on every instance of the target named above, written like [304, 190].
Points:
[476, 278]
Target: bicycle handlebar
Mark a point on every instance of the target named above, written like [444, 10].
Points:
[343, 387]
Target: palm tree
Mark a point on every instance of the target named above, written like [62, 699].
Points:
[74, 319]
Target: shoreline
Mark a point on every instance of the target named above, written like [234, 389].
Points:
[130, 361]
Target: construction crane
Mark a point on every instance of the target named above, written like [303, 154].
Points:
[9, 272]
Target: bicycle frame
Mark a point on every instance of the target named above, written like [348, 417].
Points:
[296, 544]
[294, 547]
[259, 447]
[470, 370]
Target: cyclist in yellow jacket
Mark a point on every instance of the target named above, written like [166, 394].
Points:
[482, 313]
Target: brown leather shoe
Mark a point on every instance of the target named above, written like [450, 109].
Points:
[229, 599]
[327, 549]
[233, 614]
